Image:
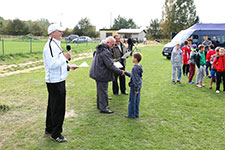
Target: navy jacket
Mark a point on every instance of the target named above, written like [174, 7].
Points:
[102, 67]
[136, 77]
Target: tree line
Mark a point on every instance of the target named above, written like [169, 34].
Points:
[176, 16]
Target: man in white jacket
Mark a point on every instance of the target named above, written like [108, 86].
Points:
[56, 71]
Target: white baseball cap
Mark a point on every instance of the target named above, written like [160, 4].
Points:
[54, 27]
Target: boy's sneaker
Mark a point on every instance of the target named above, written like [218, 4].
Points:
[191, 82]
[199, 85]
[178, 82]
[202, 84]
[210, 88]
[60, 139]
[217, 91]
[173, 82]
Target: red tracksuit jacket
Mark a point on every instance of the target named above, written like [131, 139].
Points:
[186, 55]
[219, 63]
[209, 54]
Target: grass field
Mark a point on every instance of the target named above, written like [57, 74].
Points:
[17, 51]
[181, 117]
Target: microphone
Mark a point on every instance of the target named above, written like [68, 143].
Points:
[68, 48]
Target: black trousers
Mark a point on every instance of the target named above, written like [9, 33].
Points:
[219, 75]
[56, 108]
[208, 67]
[115, 86]
[185, 69]
[102, 95]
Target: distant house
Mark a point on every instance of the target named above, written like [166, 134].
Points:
[104, 33]
[134, 33]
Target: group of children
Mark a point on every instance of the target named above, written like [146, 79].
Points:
[191, 56]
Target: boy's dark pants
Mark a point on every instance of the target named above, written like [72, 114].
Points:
[185, 69]
[56, 108]
[219, 75]
[192, 72]
[122, 84]
[208, 67]
[134, 101]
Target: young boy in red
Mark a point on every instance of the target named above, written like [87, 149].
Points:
[208, 57]
[219, 64]
[186, 57]
[213, 69]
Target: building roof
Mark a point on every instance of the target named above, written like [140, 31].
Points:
[108, 30]
[134, 31]
[208, 26]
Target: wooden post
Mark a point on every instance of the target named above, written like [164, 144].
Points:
[3, 51]
[31, 45]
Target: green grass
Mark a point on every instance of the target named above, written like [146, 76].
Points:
[171, 116]
[17, 51]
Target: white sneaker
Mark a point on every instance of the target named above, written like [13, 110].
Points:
[199, 85]
[217, 91]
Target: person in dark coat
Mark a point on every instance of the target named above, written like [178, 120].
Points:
[215, 42]
[130, 43]
[118, 51]
[102, 71]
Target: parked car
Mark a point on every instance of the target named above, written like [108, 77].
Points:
[71, 37]
[197, 33]
[82, 39]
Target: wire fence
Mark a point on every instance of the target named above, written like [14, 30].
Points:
[12, 46]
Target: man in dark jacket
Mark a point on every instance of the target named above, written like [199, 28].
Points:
[130, 43]
[118, 51]
[102, 70]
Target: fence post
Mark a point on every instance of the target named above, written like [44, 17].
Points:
[31, 45]
[3, 46]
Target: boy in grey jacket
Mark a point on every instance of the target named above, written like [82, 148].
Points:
[177, 61]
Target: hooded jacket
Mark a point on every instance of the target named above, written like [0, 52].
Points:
[136, 77]
[102, 67]
[177, 57]
[219, 63]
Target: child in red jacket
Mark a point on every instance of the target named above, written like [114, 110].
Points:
[219, 64]
[208, 57]
[213, 69]
[186, 57]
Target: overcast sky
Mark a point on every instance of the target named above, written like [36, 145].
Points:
[69, 12]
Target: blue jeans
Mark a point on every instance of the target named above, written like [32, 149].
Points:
[134, 101]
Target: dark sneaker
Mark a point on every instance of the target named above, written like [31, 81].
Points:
[173, 82]
[129, 117]
[47, 133]
[125, 93]
[60, 139]
[178, 82]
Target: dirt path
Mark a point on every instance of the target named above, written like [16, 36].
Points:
[79, 57]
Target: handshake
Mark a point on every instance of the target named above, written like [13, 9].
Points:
[123, 73]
